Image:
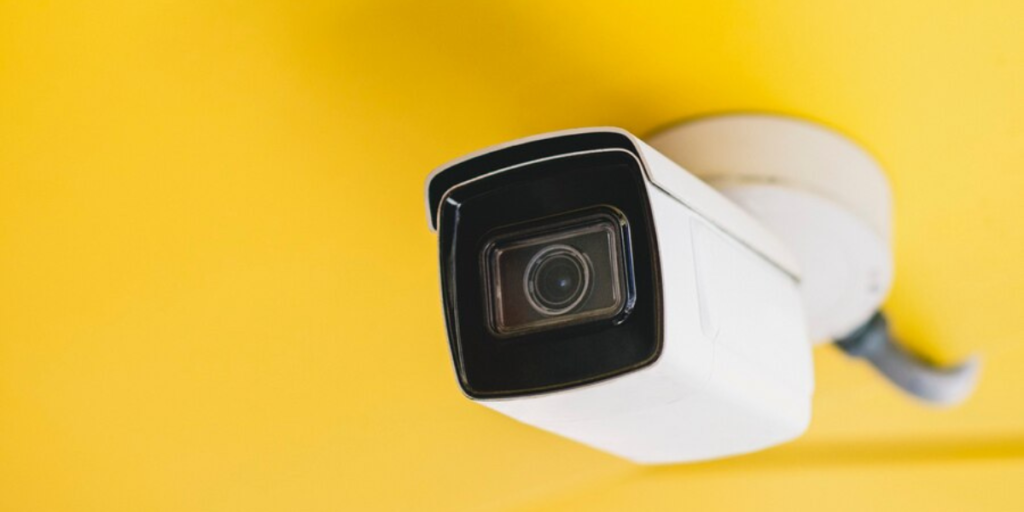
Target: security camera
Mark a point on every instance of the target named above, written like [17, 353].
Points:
[594, 288]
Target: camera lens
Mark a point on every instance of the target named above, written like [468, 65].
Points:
[555, 273]
[557, 279]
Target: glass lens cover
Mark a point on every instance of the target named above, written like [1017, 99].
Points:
[565, 271]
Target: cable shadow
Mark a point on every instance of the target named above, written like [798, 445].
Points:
[873, 453]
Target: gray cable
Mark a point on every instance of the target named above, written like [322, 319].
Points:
[922, 379]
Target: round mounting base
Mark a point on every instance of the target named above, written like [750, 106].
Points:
[820, 193]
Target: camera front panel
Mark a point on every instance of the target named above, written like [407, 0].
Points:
[550, 274]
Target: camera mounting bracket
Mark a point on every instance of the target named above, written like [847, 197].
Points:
[828, 200]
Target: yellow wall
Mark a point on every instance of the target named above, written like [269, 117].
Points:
[218, 291]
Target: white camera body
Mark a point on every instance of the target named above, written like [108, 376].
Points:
[732, 372]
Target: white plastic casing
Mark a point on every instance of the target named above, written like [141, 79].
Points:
[735, 372]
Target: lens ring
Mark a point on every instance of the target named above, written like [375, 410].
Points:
[557, 279]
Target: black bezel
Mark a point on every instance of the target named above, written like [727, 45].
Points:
[490, 366]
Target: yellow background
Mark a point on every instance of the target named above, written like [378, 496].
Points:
[218, 290]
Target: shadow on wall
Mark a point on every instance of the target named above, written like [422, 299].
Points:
[511, 73]
[803, 457]
[881, 453]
